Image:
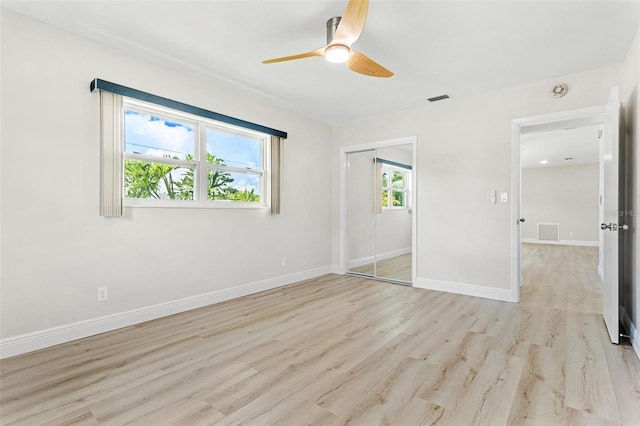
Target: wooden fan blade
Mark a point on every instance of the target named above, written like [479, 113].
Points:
[364, 65]
[317, 52]
[351, 23]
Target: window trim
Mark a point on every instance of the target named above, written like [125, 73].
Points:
[200, 165]
[406, 186]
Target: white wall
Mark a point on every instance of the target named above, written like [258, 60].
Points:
[464, 151]
[56, 248]
[567, 195]
[630, 273]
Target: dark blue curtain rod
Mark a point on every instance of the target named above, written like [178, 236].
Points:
[393, 163]
[107, 86]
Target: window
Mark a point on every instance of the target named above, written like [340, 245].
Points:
[175, 158]
[396, 183]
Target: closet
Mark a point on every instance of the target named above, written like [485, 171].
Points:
[379, 210]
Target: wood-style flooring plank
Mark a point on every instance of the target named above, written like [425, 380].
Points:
[389, 398]
[539, 398]
[623, 366]
[489, 396]
[588, 385]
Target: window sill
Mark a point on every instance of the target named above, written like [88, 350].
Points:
[163, 204]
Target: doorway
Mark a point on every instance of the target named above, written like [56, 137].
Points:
[560, 205]
[608, 117]
[378, 210]
[520, 129]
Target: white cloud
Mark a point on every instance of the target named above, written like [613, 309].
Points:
[247, 183]
[165, 139]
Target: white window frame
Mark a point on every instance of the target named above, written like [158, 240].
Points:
[406, 187]
[200, 164]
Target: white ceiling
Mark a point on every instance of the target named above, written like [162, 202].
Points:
[459, 48]
[580, 143]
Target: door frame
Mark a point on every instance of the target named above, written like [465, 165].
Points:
[344, 151]
[532, 124]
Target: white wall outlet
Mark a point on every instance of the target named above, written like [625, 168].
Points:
[284, 262]
[102, 294]
[571, 233]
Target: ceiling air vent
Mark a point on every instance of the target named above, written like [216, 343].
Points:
[439, 98]
[559, 90]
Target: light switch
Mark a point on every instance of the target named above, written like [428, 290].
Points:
[493, 196]
[503, 197]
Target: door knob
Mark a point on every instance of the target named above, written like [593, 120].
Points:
[604, 226]
[624, 227]
[522, 219]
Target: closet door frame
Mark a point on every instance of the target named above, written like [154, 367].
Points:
[343, 268]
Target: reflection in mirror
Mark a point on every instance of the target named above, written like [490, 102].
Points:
[393, 221]
[361, 177]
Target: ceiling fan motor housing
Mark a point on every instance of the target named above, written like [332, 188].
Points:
[332, 26]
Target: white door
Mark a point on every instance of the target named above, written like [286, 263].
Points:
[610, 154]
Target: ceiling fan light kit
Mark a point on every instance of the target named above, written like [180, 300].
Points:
[342, 32]
[337, 54]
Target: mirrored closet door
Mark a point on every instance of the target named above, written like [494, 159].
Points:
[361, 227]
[379, 213]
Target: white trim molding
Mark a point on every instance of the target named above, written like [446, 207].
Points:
[601, 273]
[505, 295]
[562, 242]
[29, 342]
[337, 269]
[634, 335]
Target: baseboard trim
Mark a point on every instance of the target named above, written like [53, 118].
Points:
[466, 289]
[562, 242]
[601, 272]
[634, 335]
[382, 256]
[29, 342]
[337, 269]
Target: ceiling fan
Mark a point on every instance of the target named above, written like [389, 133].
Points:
[342, 32]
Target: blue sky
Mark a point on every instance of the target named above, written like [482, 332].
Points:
[235, 150]
[157, 137]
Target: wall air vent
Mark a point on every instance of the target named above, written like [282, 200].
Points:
[439, 98]
[548, 232]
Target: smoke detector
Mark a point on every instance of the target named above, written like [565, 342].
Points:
[559, 90]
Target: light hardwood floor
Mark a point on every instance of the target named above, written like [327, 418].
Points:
[345, 350]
